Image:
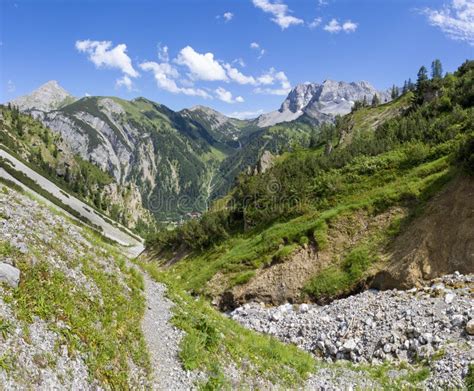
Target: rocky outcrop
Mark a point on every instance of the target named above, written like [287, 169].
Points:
[322, 102]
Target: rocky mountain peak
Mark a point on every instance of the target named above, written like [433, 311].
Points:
[321, 102]
[49, 96]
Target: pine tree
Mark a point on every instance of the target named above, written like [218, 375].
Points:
[395, 92]
[436, 70]
[411, 85]
[364, 102]
[422, 78]
[375, 101]
[405, 87]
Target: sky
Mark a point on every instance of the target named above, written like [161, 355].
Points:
[240, 57]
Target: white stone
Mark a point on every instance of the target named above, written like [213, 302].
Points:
[9, 275]
[448, 299]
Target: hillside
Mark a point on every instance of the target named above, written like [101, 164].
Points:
[51, 156]
[317, 226]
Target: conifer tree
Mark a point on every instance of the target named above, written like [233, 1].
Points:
[375, 101]
[436, 70]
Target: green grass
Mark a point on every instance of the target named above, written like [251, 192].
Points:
[337, 279]
[212, 341]
[6, 327]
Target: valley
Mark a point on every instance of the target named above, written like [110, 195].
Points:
[324, 244]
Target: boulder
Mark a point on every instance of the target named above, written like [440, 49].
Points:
[9, 275]
[470, 327]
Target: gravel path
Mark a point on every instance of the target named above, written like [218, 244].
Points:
[163, 341]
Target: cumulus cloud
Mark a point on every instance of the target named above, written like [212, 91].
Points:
[165, 75]
[279, 12]
[335, 27]
[456, 20]
[237, 76]
[245, 114]
[226, 96]
[228, 16]
[315, 23]
[256, 46]
[349, 26]
[273, 77]
[103, 55]
[206, 67]
[201, 66]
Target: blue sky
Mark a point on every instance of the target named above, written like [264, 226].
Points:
[236, 56]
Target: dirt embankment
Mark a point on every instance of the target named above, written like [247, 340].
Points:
[439, 241]
[284, 282]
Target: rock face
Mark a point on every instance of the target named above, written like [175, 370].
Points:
[50, 96]
[144, 145]
[321, 102]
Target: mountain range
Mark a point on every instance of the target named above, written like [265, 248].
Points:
[182, 160]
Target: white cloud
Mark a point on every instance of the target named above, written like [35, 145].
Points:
[335, 27]
[322, 3]
[102, 54]
[201, 66]
[256, 46]
[206, 67]
[10, 86]
[226, 96]
[279, 11]
[456, 20]
[245, 114]
[165, 75]
[237, 76]
[228, 16]
[124, 81]
[86, 94]
[349, 27]
[315, 23]
[272, 77]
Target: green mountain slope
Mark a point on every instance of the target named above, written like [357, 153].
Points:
[320, 225]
